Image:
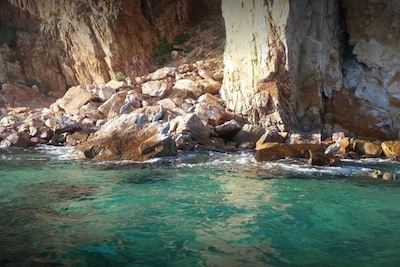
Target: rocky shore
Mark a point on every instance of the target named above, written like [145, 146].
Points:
[169, 110]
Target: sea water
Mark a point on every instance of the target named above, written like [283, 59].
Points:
[197, 209]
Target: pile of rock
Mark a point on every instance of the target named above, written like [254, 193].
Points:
[118, 120]
[170, 109]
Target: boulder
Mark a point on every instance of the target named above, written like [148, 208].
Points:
[391, 149]
[212, 114]
[369, 149]
[210, 86]
[162, 73]
[271, 136]
[192, 125]
[155, 88]
[191, 86]
[276, 151]
[210, 99]
[249, 134]
[75, 98]
[185, 142]
[114, 84]
[228, 129]
[122, 139]
[106, 92]
[321, 159]
[110, 108]
[17, 139]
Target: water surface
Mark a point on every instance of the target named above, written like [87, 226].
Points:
[204, 209]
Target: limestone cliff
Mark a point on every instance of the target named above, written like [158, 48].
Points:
[65, 43]
[314, 66]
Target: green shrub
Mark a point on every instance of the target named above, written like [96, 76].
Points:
[163, 51]
[120, 77]
[8, 34]
[188, 49]
[181, 38]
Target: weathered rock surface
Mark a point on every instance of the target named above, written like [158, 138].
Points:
[63, 43]
[329, 65]
[123, 139]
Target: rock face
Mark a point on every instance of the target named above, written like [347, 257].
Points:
[314, 66]
[64, 43]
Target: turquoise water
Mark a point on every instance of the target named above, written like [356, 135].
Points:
[205, 209]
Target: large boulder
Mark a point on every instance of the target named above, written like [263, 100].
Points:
[74, 98]
[123, 139]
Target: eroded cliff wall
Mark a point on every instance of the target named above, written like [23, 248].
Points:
[64, 43]
[314, 66]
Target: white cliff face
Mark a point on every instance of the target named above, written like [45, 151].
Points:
[292, 44]
[255, 48]
[314, 66]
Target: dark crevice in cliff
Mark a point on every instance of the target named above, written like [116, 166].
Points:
[147, 11]
[345, 48]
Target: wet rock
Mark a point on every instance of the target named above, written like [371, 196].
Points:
[275, 151]
[369, 149]
[388, 176]
[18, 139]
[321, 159]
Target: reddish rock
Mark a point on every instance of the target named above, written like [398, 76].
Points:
[275, 151]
